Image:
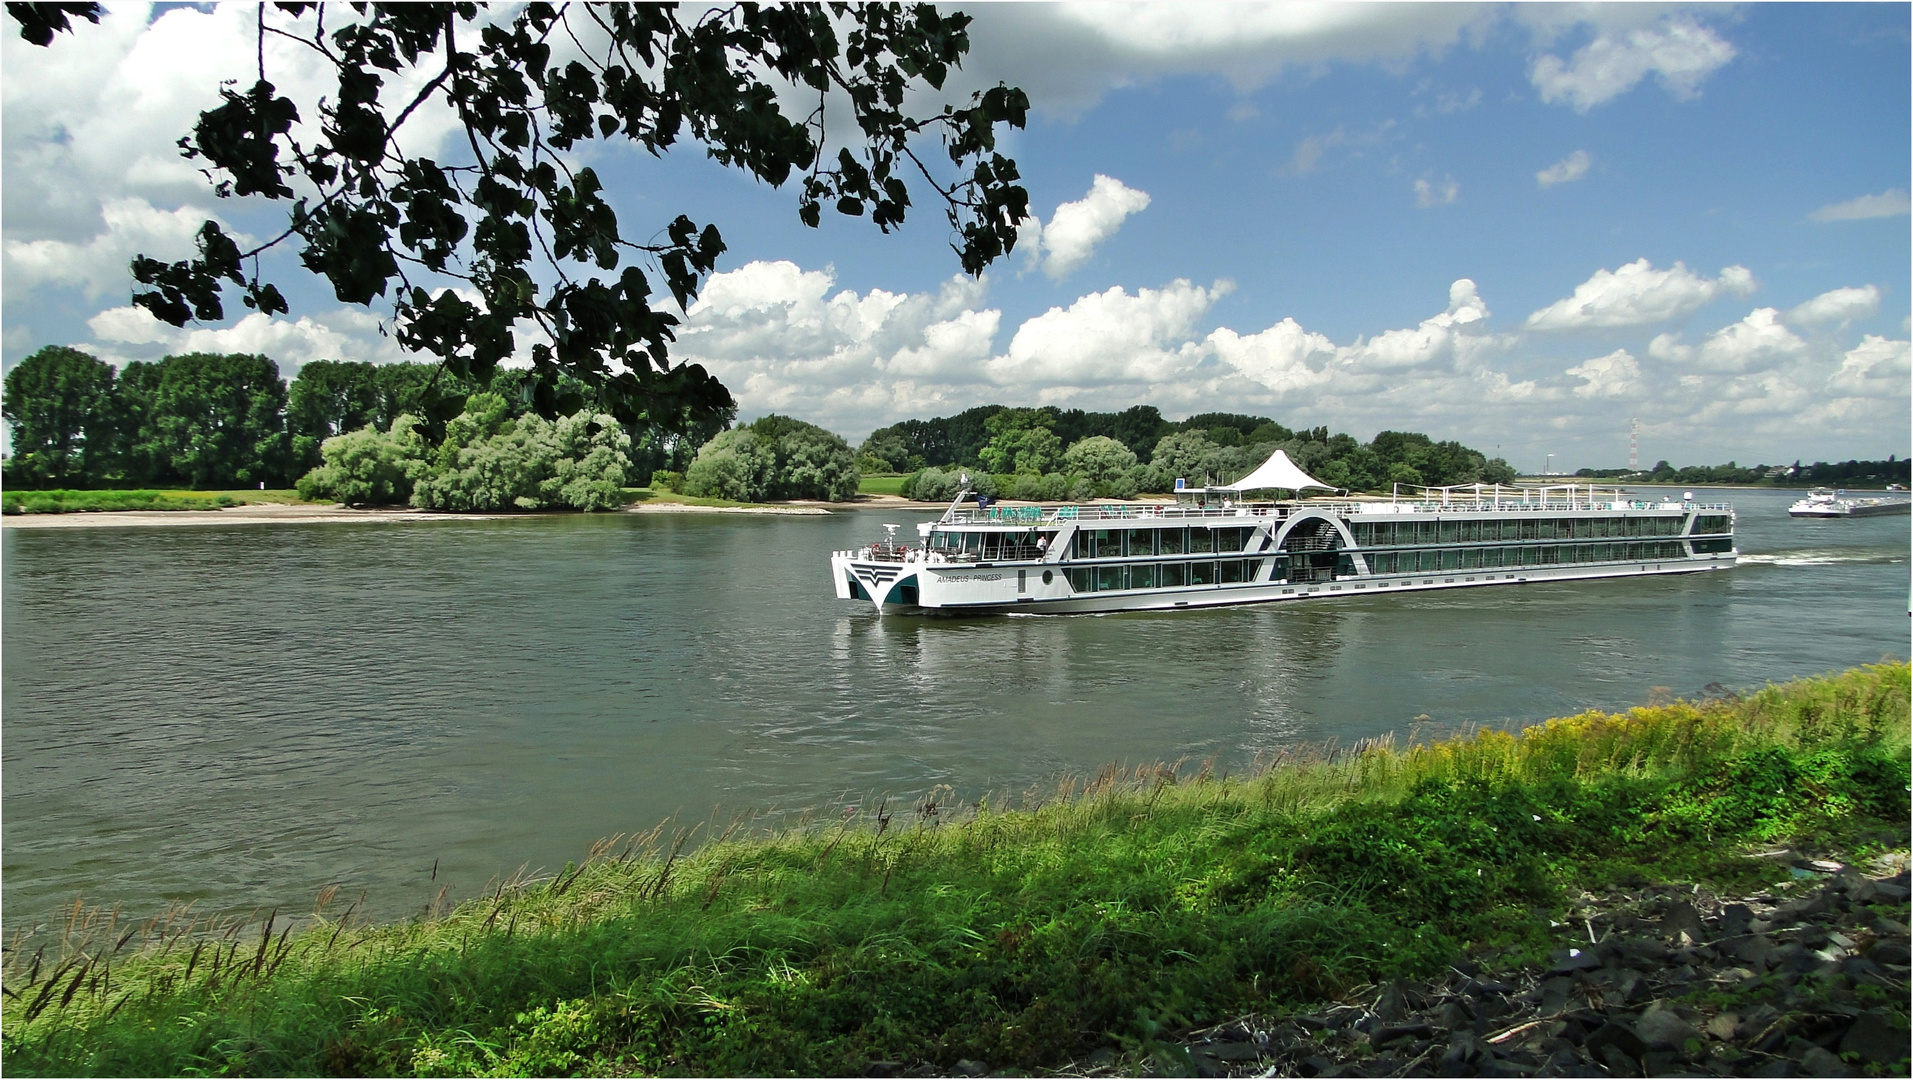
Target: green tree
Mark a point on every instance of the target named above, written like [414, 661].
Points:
[774, 457]
[521, 224]
[1107, 464]
[1189, 455]
[491, 461]
[327, 398]
[217, 419]
[61, 408]
[143, 458]
[1022, 441]
[368, 467]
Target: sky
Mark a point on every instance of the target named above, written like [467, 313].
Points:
[1522, 227]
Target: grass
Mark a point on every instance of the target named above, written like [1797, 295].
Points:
[665, 495]
[882, 485]
[66, 501]
[1102, 913]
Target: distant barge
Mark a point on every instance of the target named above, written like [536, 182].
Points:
[1213, 547]
[1822, 503]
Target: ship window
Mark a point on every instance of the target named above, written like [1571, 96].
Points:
[1364, 534]
[1546, 526]
[1565, 529]
[1470, 531]
[1713, 523]
[1201, 540]
[1381, 564]
[1231, 571]
[1229, 539]
[1172, 575]
[1142, 542]
[1082, 579]
[1251, 569]
[1447, 532]
[1709, 547]
[1169, 541]
[1142, 577]
[1494, 557]
[1451, 560]
[1427, 531]
[1202, 573]
[1109, 577]
[1471, 559]
[992, 546]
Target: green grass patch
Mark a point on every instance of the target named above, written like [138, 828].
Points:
[1100, 914]
[882, 485]
[74, 502]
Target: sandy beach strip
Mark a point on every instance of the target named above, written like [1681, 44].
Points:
[312, 514]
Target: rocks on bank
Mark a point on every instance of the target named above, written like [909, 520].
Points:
[1649, 982]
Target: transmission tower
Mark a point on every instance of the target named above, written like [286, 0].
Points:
[1634, 445]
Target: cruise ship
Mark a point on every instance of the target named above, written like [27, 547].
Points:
[1822, 503]
[1217, 545]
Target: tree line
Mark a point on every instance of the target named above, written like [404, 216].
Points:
[1850, 473]
[1051, 453]
[211, 421]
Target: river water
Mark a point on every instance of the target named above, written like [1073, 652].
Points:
[242, 715]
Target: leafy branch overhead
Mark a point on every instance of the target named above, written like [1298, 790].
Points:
[515, 230]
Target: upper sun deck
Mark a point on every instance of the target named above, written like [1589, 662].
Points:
[1202, 505]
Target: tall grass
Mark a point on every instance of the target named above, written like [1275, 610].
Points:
[62, 501]
[1018, 931]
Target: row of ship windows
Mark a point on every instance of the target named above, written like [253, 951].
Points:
[1414, 562]
[1164, 575]
[1230, 571]
[1112, 543]
[1390, 533]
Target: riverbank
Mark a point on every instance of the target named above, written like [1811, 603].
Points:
[1101, 925]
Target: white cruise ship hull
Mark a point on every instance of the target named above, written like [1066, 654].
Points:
[1108, 558]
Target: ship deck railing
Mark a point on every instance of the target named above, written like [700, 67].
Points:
[1074, 513]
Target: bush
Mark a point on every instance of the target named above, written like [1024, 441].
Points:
[774, 457]
[668, 479]
[368, 467]
[490, 461]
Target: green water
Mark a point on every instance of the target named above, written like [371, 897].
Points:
[243, 715]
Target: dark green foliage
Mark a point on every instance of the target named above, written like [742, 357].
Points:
[61, 406]
[1146, 904]
[75, 502]
[215, 420]
[1894, 470]
[536, 242]
[774, 457]
[327, 398]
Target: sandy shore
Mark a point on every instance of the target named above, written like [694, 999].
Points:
[252, 514]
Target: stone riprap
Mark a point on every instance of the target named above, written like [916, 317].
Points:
[1646, 982]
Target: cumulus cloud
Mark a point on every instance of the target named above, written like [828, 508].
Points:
[1755, 343]
[1877, 365]
[129, 333]
[1077, 228]
[1892, 203]
[1616, 375]
[1680, 51]
[1108, 337]
[1429, 194]
[97, 265]
[1637, 294]
[1440, 337]
[1283, 358]
[1567, 170]
[1836, 307]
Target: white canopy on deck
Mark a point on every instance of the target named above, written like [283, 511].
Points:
[1277, 472]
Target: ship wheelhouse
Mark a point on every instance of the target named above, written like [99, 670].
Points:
[1217, 546]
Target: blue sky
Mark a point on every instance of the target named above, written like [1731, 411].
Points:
[1515, 226]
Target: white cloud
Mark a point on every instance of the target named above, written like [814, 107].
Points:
[1108, 337]
[1077, 228]
[1836, 307]
[1284, 357]
[1755, 343]
[1616, 375]
[1068, 55]
[1438, 338]
[1680, 51]
[1637, 294]
[1876, 366]
[1892, 203]
[344, 334]
[1567, 170]
[99, 264]
[1430, 194]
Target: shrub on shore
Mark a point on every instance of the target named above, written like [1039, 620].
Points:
[774, 457]
[62, 501]
[1100, 915]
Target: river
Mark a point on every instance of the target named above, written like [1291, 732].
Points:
[242, 715]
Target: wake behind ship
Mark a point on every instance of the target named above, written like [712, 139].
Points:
[1215, 547]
